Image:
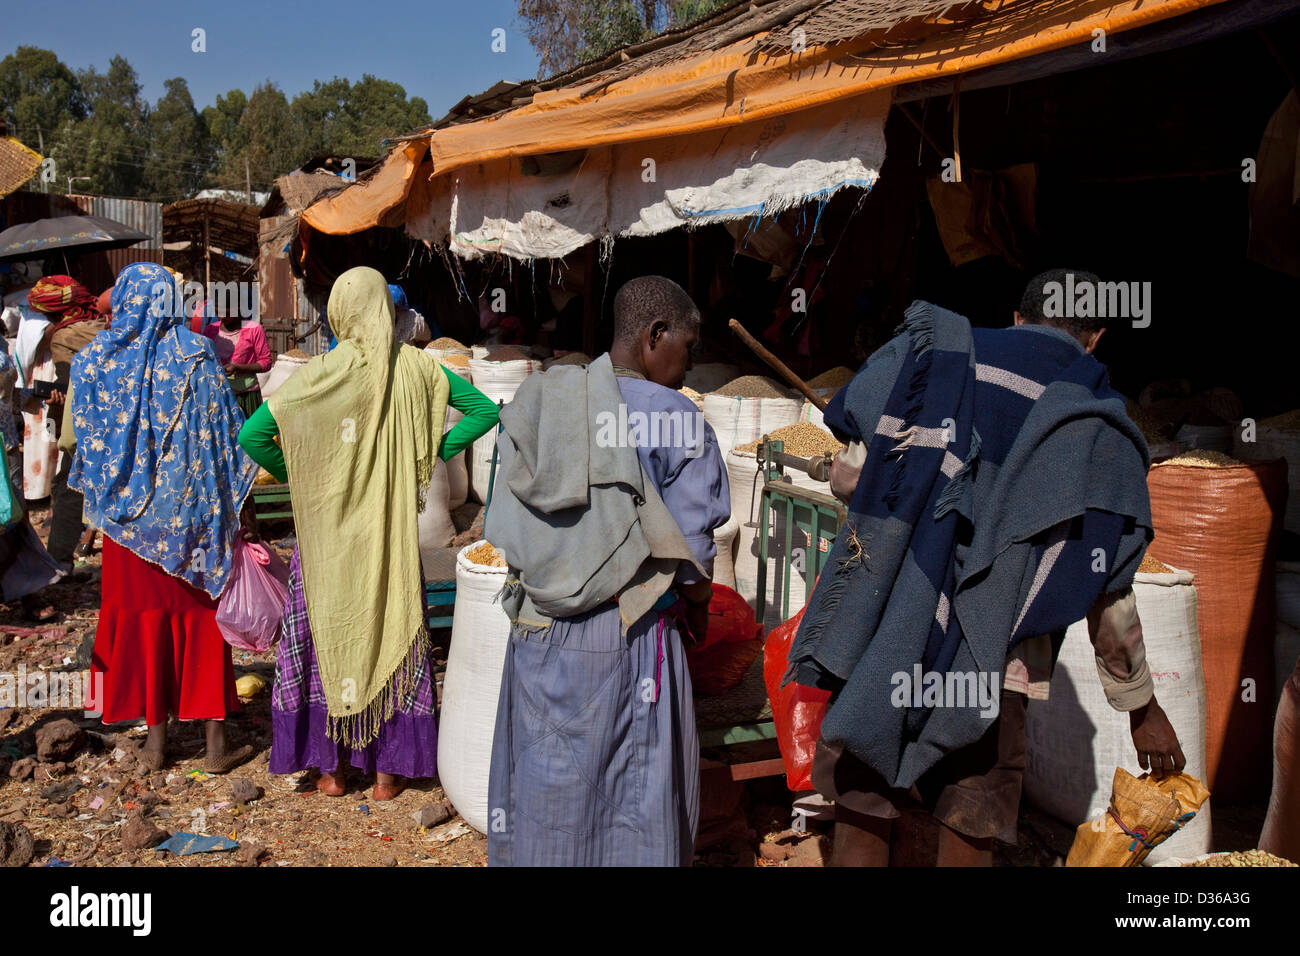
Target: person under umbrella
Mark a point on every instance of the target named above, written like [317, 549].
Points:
[75, 320]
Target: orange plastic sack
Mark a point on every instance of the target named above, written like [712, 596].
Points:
[797, 710]
[730, 647]
[1281, 835]
[1223, 524]
[1144, 812]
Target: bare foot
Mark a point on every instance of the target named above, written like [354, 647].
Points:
[387, 786]
[332, 784]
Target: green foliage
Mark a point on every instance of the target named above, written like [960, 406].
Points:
[354, 120]
[110, 145]
[180, 157]
[97, 125]
[38, 92]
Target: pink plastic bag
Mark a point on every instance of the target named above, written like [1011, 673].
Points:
[252, 606]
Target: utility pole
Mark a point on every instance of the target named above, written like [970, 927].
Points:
[248, 182]
[40, 140]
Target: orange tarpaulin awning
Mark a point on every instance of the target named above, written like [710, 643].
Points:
[735, 84]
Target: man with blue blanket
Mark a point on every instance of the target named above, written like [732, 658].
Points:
[1003, 497]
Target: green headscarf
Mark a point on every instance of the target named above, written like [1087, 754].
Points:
[360, 428]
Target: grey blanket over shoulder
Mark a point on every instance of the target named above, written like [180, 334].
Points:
[579, 524]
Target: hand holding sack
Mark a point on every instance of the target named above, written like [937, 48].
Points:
[252, 606]
[1144, 812]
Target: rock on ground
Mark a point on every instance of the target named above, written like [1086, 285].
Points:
[139, 834]
[243, 790]
[16, 845]
[58, 740]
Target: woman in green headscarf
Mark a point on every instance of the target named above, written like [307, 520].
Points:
[360, 430]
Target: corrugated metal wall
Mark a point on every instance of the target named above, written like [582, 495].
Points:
[277, 289]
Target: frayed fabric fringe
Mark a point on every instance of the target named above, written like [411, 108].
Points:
[360, 729]
[960, 482]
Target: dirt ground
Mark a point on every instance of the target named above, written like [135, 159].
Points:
[93, 807]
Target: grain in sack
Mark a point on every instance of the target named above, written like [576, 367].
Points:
[480, 634]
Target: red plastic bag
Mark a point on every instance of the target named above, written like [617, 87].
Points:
[797, 710]
[730, 646]
[252, 606]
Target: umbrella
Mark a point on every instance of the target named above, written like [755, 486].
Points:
[35, 240]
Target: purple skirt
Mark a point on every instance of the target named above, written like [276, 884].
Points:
[407, 744]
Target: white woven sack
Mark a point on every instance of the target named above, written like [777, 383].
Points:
[724, 565]
[1076, 739]
[738, 421]
[284, 367]
[811, 413]
[457, 469]
[498, 381]
[480, 633]
[434, 522]
[709, 376]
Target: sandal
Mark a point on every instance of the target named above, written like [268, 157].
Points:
[229, 761]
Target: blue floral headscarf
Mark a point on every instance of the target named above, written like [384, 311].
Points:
[156, 425]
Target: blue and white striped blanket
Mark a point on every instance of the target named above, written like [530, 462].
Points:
[1004, 491]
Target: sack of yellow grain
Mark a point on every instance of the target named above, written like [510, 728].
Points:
[1144, 812]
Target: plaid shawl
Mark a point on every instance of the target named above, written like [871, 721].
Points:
[1004, 491]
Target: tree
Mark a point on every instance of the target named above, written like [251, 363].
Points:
[222, 120]
[38, 95]
[354, 119]
[269, 149]
[382, 110]
[566, 33]
[180, 155]
[110, 145]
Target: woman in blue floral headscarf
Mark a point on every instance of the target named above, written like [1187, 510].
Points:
[165, 480]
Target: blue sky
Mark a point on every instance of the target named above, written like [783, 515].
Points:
[438, 50]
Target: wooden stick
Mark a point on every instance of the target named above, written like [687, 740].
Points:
[782, 369]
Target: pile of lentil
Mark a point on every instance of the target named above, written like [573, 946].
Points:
[836, 378]
[457, 361]
[1243, 858]
[1152, 565]
[447, 342]
[506, 353]
[752, 386]
[693, 395]
[571, 358]
[486, 555]
[1200, 458]
[802, 439]
[297, 353]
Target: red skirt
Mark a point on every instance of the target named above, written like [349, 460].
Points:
[158, 646]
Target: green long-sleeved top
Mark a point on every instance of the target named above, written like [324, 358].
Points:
[257, 437]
